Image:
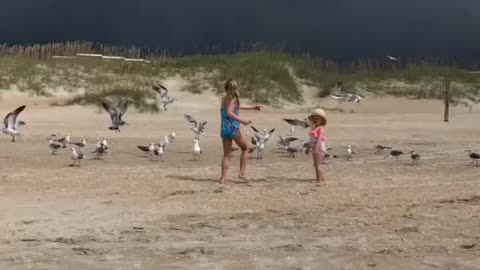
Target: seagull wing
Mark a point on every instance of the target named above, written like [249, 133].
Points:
[123, 109]
[271, 131]
[10, 120]
[290, 139]
[254, 129]
[112, 111]
[190, 119]
[201, 127]
[292, 122]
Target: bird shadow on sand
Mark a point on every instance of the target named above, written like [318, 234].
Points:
[191, 178]
[288, 179]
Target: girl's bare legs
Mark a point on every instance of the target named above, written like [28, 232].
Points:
[227, 151]
[242, 143]
[317, 160]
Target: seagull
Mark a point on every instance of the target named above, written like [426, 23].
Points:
[77, 155]
[197, 152]
[10, 122]
[285, 141]
[395, 154]
[83, 143]
[475, 157]
[198, 126]
[258, 143]
[392, 58]
[265, 134]
[164, 97]
[166, 142]
[292, 129]
[162, 90]
[54, 145]
[65, 140]
[350, 152]
[379, 148]
[100, 148]
[148, 150]
[291, 151]
[296, 122]
[159, 151]
[347, 97]
[172, 137]
[116, 115]
[415, 157]
[167, 101]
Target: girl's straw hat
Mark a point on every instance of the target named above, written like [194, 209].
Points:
[319, 112]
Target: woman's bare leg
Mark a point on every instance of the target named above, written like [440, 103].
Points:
[227, 150]
[242, 143]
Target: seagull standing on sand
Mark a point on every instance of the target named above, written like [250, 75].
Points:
[415, 157]
[116, 115]
[65, 140]
[148, 150]
[77, 156]
[475, 157]
[159, 151]
[197, 151]
[172, 137]
[285, 142]
[198, 126]
[380, 148]
[100, 148]
[10, 123]
[54, 145]
[395, 154]
[81, 144]
[350, 152]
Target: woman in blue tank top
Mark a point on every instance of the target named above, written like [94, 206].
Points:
[230, 128]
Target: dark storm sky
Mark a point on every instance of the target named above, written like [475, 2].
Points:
[333, 28]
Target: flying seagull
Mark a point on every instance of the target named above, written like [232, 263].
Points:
[10, 123]
[300, 123]
[116, 115]
[265, 134]
[285, 142]
[164, 97]
[391, 58]
[198, 126]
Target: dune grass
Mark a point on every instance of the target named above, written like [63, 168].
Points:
[267, 77]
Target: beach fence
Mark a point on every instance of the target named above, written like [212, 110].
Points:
[103, 57]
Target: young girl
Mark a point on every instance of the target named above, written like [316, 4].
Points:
[318, 118]
[230, 128]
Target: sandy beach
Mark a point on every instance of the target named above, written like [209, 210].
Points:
[126, 212]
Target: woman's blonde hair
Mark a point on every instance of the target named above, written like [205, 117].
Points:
[231, 91]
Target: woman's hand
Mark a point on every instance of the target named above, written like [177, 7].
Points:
[257, 107]
[246, 122]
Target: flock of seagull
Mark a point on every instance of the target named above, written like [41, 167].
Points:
[259, 139]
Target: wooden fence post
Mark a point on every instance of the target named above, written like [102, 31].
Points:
[447, 101]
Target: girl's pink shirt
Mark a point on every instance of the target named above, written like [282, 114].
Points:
[318, 133]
